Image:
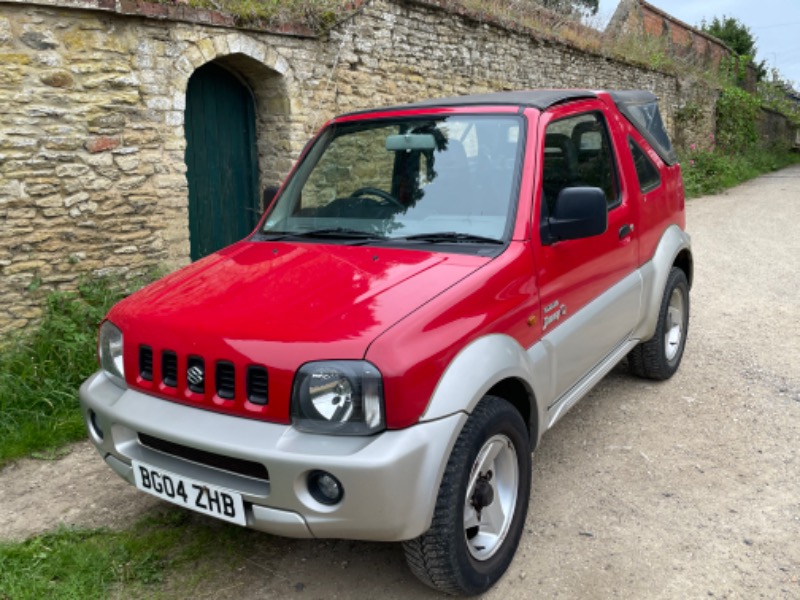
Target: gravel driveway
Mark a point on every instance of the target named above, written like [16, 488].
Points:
[687, 489]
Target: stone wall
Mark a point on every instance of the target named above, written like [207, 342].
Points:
[776, 131]
[92, 171]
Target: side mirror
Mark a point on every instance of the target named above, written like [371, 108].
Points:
[268, 196]
[579, 212]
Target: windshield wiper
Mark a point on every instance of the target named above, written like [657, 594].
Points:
[451, 237]
[339, 233]
[273, 236]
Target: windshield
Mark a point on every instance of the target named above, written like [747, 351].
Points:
[443, 179]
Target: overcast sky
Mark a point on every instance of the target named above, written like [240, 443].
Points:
[774, 23]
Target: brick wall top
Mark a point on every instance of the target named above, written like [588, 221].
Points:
[638, 17]
[675, 23]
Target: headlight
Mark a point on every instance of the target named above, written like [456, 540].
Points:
[109, 349]
[338, 397]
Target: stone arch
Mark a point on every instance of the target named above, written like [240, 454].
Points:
[269, 77]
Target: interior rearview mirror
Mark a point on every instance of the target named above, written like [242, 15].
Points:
[410, 141]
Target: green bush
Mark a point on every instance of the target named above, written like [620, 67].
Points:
[712, 165]
[711, 171]
[42, 368]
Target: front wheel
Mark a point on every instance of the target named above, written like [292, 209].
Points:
[659, 357]
[482, 503]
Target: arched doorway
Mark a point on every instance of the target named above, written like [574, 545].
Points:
[221, 159]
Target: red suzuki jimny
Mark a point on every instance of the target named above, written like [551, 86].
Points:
[433, 287]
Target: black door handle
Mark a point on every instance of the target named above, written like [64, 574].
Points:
[625, 231]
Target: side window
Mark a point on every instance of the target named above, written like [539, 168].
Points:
[577, 153]
[646, 171]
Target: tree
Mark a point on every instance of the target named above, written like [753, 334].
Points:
[734, 33]
[738, 36]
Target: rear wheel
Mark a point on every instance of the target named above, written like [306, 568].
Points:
[659, 357]
[482, 503]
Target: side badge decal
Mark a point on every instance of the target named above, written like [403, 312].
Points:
[560, 311]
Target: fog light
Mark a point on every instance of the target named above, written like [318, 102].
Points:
[96, 429]
[325, 488]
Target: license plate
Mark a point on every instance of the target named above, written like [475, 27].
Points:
[190, 493]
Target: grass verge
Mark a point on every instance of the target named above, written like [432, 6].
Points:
[711, 171]
[145, 561]
[42, 368]
[317, 14]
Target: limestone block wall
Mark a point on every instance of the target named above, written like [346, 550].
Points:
[776, 131]
[398, 51]
[92, 170]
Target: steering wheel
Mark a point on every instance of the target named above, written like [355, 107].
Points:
[373, 191]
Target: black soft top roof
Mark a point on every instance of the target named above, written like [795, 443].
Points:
[541, 99]
[640, 107]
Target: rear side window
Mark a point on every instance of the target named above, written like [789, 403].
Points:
[577, 153]
[646, 171]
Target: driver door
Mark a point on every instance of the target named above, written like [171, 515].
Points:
[589, 288]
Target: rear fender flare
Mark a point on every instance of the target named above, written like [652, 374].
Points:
[655, 273]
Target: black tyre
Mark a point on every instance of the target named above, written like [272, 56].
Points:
[659, 357]
[482, 503]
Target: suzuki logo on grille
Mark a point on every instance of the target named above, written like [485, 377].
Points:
[195, 375]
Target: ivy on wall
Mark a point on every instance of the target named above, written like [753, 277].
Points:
[737, 118]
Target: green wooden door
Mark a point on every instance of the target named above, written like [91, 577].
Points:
[221, 160]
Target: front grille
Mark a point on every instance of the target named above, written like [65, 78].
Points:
[146, 363]
[247, 468]
[257, 384]
[169, 368]
[220, 384]
[226, 380]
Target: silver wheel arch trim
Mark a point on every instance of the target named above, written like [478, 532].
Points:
[655, 273]
[481, 365]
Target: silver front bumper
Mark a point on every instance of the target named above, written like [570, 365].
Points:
[390, 480]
